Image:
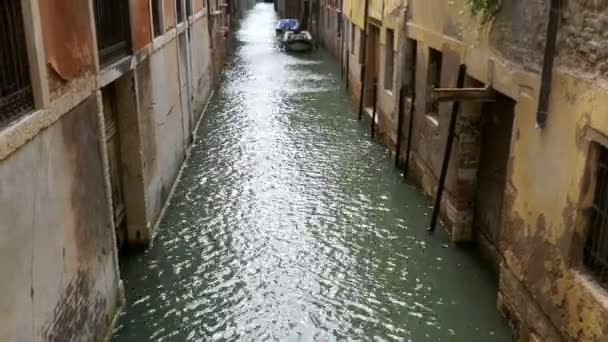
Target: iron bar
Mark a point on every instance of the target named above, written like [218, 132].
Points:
[375, 108]
[448, 151]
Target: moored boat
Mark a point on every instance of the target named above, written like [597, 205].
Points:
[297, 41]
[286, 25]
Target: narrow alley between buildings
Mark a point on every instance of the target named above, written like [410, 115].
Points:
[290, 223]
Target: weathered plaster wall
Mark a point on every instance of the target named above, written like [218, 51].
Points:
[60, 280]
[543, 238]
[198, 5]
[584, 37]
[68, 42]
[142, 27]
[169, 14]
[162, 126]
[545, 290]
[201, 66]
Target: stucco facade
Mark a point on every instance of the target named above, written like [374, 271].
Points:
[521, 192]
[93, 164]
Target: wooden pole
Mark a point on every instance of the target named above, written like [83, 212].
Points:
[399, 124]
[448, 151]
[410, 133]
[347, 69]
[365, 58]
[362, 93]
[375, 106]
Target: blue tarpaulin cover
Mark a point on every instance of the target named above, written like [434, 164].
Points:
[288, 24]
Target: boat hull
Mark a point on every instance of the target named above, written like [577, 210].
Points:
[298, 46]
[297, 42]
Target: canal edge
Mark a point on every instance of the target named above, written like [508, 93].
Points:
[161, 215]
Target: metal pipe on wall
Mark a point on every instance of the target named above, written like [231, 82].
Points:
[547, 72]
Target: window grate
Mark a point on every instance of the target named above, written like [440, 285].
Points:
[596, 246]
[15, 87]
[113, 29]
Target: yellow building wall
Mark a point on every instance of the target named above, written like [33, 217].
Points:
[547, 177]
[375, 9]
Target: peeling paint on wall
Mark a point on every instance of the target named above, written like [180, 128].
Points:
[67, 37]
[142, 31]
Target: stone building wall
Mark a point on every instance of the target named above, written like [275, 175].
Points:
[536, 244]
[60, 162]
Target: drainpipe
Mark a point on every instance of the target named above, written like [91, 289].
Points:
[363, 71]
[547, 73]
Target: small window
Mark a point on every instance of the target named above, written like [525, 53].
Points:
[433, 79]
[328, 18]
[352, 38]
[189, 8]
[389, 59]
[16, 96]
[179, 10]
[596, 246]
[157, 17]
[411, 52]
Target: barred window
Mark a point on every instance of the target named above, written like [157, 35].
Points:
[16, 96]
[113, 29]
[157, 17]
[596, 246]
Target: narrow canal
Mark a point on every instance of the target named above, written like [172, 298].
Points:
[291, 224]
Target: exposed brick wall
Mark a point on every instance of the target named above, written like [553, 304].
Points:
[519, 30]
[583, 42]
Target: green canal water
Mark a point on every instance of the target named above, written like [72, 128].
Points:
[290, 223]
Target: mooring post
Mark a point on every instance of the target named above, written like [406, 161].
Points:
[363, 41]
[448, 151]
[399, 125]
[362, 92]
[375, 108]
[341, 35]
[410, 131]
[347, 70]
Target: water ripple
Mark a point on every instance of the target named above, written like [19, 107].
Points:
[290, 224]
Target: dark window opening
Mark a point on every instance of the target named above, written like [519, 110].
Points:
[361, 49]
[189, 8]
[157, 17]
[179, 11]
[16, 96]
[411, 60]
[113, 29]
[596, 246]
[389, 59]
[433, 79]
